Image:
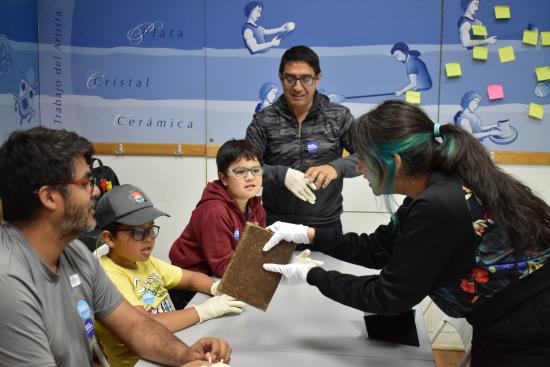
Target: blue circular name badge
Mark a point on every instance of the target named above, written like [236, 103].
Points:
[89, 328]
[236, 234]
[148, 298]
[312, 146]
[83, 309]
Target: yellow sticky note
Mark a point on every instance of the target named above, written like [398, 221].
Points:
[412, 97]
[453, 69]
[480, 52]
[543, 73]
[502, 12]
[545, 38]
[530, 37]
[506, 54]
[479, 30]
[536, 110]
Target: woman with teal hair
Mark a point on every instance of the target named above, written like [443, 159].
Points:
[473, 238]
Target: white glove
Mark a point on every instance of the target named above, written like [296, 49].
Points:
[296, 183]
[218, 306]
[294, 273]
[296, 233]
[214, 289]
[303, 258]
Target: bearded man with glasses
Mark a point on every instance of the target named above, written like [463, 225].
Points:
[52, 287]
[302, 137]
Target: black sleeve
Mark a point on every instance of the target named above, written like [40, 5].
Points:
[274, 175]
[420, 251]
[372, 251]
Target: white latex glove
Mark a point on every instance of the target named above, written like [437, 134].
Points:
[294, 273]
[296, 233]
[303, 258]
[218, 306]
[214, 289]
[296, 182]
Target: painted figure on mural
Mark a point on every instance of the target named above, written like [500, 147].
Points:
[417, 72]
[254, 35]
[24, 100]
[465, 23]
[501, 132]
[268, 95]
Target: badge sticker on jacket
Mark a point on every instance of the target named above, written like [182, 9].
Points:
[89, 328]
[83, 309]
[312, 146]
[236, 234]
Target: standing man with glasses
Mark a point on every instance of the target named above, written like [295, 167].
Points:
[302, 137]
[52, 287]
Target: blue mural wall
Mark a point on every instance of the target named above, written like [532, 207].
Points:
[194, 71]
[19, 87]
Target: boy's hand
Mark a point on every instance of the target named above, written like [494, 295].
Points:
[214, 289]
[218, 306]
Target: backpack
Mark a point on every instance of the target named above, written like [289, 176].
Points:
[106, 179]
[105, 175]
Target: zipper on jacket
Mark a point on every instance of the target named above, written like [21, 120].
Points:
[301, 145]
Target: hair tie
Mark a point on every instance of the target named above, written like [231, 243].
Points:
[437, 133]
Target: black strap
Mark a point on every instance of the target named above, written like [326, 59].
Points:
[96, 160]
[513, 296]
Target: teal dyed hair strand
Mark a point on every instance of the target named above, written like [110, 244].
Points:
[387, 151]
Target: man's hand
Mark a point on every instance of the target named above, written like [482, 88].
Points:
[218, 306]
[321, 176]
[206, 349]
[296, 182]
[294, 273]
[296, 233]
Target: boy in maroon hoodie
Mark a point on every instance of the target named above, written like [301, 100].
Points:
[207, 243]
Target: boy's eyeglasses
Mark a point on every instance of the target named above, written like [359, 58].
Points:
[305, 80]
[139, 233]
[243, 172]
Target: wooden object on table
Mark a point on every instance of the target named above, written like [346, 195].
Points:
[245, 278]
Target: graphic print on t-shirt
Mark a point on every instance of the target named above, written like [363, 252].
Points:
[153, 294]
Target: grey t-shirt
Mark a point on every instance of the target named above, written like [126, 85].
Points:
[46, 318]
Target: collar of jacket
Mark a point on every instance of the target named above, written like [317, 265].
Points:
[318, 100]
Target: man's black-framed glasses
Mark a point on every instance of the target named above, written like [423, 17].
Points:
[139, 233]
[243, 172]
[305, 80]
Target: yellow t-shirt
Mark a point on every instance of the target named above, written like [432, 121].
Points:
[145, 286]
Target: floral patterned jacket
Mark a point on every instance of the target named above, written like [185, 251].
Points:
[497, 266]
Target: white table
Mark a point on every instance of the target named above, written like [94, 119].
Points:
[303, 328]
